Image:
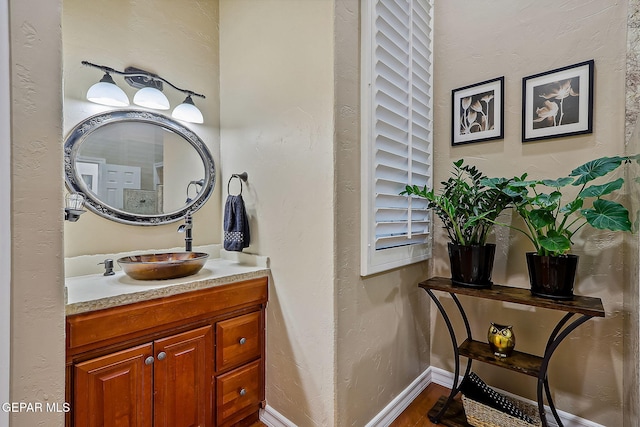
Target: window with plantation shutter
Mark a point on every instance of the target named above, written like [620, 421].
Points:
[396, 131]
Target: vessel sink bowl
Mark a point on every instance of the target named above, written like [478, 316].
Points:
[170, 265]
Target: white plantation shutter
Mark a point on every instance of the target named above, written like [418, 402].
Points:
[396, 131]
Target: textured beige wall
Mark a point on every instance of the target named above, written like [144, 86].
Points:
[176, 41]
[382, 322]
[37, 319]
[339, 348]
[330, 332]
[5, 210]
[476, 41]
[276, 97]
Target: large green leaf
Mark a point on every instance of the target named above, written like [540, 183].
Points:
[540, 218]
[555, 243]
[495, 183]
[602, 190]
[571, 207]
[528, 183]
[548, 201]
[516, 193]
[557, 183]
[595, 168]
[608, 215]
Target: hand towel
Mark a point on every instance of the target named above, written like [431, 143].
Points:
[236, 224]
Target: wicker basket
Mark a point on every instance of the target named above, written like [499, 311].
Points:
[480, 415]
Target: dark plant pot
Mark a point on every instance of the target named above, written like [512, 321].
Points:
[552, 276]
[471, 266]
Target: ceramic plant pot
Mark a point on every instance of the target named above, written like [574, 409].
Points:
[552, 276]
[471, 266]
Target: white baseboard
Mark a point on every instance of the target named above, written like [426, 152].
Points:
[273, 418]
[402, 401]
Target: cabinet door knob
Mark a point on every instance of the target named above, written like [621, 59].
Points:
[242, 340]
[242, 392]
[162, 355]
[149, 360]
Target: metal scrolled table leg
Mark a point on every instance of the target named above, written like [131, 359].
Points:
[454, 389]
[554, 341]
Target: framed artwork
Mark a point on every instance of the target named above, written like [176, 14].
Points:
[478, 112]
[558, 103]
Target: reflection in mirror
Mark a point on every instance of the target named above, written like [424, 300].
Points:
[138, 167]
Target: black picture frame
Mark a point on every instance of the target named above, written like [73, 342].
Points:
[558, 103]
[477, 112]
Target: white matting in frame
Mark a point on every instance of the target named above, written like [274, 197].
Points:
[478, 112]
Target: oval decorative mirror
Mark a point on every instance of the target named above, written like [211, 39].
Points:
[138, 167]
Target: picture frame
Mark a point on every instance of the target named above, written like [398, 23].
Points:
[477, 112]
[558, 103]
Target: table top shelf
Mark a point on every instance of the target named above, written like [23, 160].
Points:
[588, 306]
[524, 363]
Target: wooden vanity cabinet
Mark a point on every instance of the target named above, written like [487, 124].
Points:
[193, 359]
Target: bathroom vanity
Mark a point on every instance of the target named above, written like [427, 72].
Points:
[181, 352]
[189, 352]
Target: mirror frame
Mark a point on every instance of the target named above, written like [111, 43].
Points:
[85, 128]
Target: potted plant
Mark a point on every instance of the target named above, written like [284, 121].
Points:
[550, 222]
[468, 210]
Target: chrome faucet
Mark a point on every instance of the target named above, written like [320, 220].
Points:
[187, 228]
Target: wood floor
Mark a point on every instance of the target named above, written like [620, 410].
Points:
[416, 414]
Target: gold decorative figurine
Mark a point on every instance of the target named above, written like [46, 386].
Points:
[501, 339]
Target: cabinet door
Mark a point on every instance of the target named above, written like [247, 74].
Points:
[238, 340]
[115, 390]
[183, 379]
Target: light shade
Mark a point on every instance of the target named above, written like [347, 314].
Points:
[106, 92]
[73, 206]
[74, 201]
[151, 98]
[188, 112]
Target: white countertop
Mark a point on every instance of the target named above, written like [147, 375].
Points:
[95, 291]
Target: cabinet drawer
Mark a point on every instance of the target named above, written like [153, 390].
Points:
[238, 340]
[239, 393]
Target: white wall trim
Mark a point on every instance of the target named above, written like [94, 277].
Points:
[5, 211]
[402, 401]
[273, 418]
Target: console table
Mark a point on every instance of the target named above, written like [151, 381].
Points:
[447, 411]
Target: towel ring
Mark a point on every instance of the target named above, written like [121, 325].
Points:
[241, 176]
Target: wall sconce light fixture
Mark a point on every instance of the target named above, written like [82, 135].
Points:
[149, 95]
[73, 206]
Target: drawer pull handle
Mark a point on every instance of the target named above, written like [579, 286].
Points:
[149, 360]
[162, 355]
[242, 340]
[242, 392]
